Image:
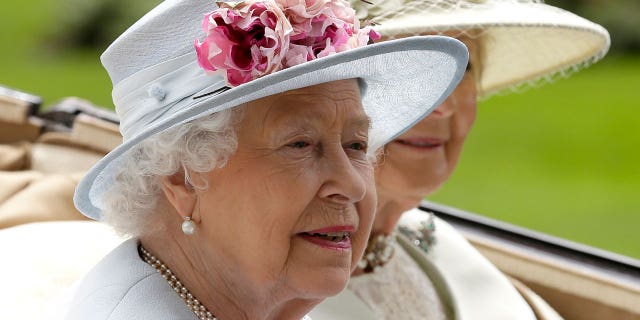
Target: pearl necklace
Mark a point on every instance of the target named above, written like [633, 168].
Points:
[198, 309]
[379, 251]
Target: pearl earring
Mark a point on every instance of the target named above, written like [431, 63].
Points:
[188, 226]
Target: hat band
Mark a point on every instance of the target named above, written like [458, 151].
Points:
[161, 91]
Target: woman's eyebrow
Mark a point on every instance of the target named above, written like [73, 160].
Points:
[362, 121]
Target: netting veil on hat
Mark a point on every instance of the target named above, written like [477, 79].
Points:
[159, 80]
[522, 42]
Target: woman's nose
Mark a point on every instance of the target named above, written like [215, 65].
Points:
[344, 183]
[447, 108]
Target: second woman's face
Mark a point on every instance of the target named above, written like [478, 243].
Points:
[292, 209]
[422, 159]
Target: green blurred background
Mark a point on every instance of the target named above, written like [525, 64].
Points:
[560, 158]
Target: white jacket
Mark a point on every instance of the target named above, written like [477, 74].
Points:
[124, 287]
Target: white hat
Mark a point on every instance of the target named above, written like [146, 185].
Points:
[522, 42]
[159, 80]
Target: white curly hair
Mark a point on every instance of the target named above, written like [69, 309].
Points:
[197, 146]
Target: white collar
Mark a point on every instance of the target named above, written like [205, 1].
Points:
[472, 286]
[476, 289]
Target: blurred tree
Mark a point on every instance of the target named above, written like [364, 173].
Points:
[95, 23]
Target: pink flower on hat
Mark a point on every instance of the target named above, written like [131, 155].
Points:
[253, 38]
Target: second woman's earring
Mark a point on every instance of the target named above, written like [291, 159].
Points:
[188, 226]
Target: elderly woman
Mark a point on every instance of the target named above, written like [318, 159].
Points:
[416, 266]
[245, 177]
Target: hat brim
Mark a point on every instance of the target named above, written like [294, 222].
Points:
[520, 42]
[404, 80]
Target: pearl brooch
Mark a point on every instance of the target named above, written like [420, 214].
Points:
[424, 236]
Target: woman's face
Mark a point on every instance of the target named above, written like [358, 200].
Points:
[422, 159]
[293, 207]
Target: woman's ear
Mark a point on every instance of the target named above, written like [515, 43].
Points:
[180, 194]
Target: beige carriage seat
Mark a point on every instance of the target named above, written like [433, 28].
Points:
[575, 290]
[16, 123]
[41, 163]
[576, 281]
[41, 166]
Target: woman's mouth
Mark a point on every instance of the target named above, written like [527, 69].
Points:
[330, 239]
[421, 143]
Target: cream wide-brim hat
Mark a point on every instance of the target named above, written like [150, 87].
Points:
[158, 84]
[522, 42]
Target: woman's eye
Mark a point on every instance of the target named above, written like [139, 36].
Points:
[299, 144]
[358, 146]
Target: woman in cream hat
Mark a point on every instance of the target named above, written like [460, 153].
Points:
[416, 266]
[245, 176]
